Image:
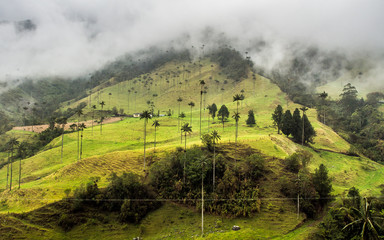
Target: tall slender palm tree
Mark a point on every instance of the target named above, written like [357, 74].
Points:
[102, 103]
[81, 128]
[186, 129]
[236, 116]
[145, 115]
[323, 96]
[63, 122]
[12, 143]
[178, 118]
[215, 138]
[129, 91]
[191, 104]
[109, 99]
[93, 116]
[155, 124]
[202, 83]
[304, 109]
[79, 112]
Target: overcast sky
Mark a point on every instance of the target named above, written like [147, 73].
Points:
[77, 36]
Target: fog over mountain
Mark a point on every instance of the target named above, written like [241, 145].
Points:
[74, 37]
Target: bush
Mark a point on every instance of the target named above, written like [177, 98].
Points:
[292, 163]
[256, 166]
[129, 188]
[67, 222]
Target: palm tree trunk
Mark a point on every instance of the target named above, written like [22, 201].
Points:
[201, 102]
[208, 122]
[191, 117]
[185, 155]
[324, 116]
[178, 120]
[145, 136]
[93, 119]
[214, 165]
[202, 204]
[78, 140]
[302, 136]
[155, 141]
[62, 145]
[81, 144]
[237, 126]
[19, 172]
[10, 179]
[8, 171]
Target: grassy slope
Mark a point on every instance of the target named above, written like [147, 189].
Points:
[120, 147]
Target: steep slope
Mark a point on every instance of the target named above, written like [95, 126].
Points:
[120, 147]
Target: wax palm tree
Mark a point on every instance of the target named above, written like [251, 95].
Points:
[191, 104]
[236, 116]
[93, 116]
[363, 220]
[323, 96]
[304, 109]
[155, 124]
[242, 96]
[79, 112]
[12, 143]
[129, 91]
[81, 128]
[102, 103]
[178, 119]
[63, 122]
[186, 129]
[109, 99]
[145, 115]
[202, 83]
[215, 138]
[182, 116]
[73, 127]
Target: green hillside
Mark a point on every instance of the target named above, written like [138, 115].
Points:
[120, 149]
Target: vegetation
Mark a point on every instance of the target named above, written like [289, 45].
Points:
[223, 114]
[251, 119]
[269, 168]
[354, 219]
[167, 177]
[299, 127]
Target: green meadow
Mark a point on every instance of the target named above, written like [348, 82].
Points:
[119, 149]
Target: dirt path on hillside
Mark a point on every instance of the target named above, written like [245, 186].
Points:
[40, 128]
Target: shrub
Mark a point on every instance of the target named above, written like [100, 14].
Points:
[292, 163]
[67, 222]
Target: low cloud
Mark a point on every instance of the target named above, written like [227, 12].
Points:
[72, 38]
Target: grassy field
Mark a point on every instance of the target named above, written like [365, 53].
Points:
[120, 148]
